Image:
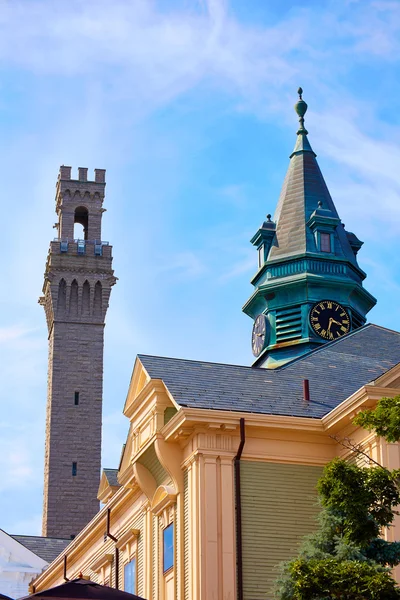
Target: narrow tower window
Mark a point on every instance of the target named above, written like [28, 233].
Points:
[325, 242]
[76, 398]
[261, 257]
[74, 469]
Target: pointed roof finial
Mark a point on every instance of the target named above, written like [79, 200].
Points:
[301, 109]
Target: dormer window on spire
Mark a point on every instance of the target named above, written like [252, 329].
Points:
[263, 240]
[261, 256]
[325, 242]
[323, 224]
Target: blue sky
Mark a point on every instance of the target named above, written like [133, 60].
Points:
[189, 107]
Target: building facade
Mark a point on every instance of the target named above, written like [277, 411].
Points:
[76, 290]
[217, 480]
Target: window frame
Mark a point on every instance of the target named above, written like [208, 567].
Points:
[132, 559]
[169, 567]
[324, 235]
[261, 256]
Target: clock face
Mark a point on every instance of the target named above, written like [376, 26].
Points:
[329, 320]
[259, 335]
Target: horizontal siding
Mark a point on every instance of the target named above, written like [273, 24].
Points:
[121, 572]
[139, 524]
[279, 508]
[150, 461]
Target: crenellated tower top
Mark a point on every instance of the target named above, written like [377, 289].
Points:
[80, 201]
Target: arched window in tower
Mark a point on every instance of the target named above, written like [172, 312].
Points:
[98, 302]
[62, 295]
[81, 219]
[73, 300]
[86, 298]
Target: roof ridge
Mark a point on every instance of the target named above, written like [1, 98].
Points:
[41, 537]
[208, 362]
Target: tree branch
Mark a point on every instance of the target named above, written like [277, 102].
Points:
[356, 448]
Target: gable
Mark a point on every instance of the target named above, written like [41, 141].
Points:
[15, 553]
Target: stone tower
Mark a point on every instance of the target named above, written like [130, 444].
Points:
[76, 291]
[308, 286]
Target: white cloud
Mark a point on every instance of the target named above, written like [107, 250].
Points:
[182, 265]
[14, 332]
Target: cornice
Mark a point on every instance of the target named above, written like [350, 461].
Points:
[311, 257]
[129, 536]
[228, 422]
[366, 397]
[103, 561]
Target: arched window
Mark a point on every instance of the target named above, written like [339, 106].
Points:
[73, 300]
[81, 219]
[85, 298]
[98, 301]
[62, 295]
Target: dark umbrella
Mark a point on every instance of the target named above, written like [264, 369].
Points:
[3, 597]
[83, 589]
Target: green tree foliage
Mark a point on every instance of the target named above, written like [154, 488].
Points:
[324, 579]
[346, 558]
[384, 419]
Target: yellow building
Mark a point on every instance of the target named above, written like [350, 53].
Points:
[216, 484]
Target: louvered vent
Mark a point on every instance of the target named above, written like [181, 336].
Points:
[288, 324]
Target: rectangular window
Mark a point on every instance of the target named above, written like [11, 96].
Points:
[325, 242]
[74, 469]
[261, 257]
[76, 398]
[168, 536]
[130, 577]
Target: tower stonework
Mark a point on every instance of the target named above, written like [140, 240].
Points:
[76, 291]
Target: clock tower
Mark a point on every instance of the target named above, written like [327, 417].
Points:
[308, 286]
[77, 285]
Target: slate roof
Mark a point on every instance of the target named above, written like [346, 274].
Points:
[45, 547]
[304, 186]
[111, 475]
[335, 371]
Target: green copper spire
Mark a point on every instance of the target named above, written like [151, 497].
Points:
[305, 256]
